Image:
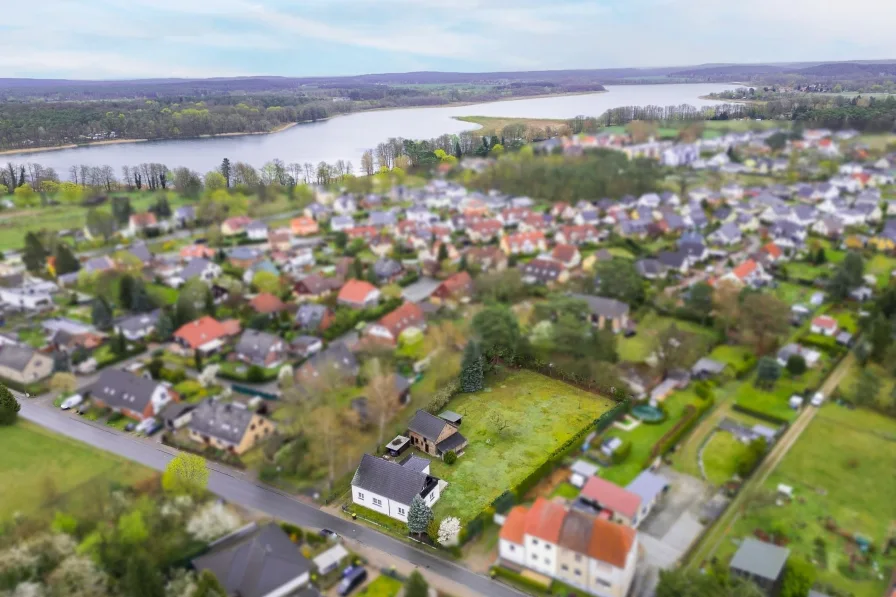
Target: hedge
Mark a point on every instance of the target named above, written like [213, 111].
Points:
[688, 419]
[758, 414]
[517, 579]
[344, 323]
[825, 343]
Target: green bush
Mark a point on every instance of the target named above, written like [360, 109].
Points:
[622, 452]
[450, 457]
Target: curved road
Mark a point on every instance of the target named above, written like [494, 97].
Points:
[251, 494]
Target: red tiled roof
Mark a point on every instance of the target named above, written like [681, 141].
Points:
[612, 497]
[356, 291]
[266, 303]
[744, 269]
[515, 525]
[144, 219]
[521, 237]
[407, 315]
[197, 251]
[545, 520]
[773, 250]
[461, 281]
[564, 253]
[611, 542]
[201, 331]
[825, 321]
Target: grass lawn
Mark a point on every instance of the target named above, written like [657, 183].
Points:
[881, 267]
[640, 346]
[47, 465]
[774, 402]
[382, 586]
[735, 356]
[566, 490]
[841, 467]
[164, 295]
[541, 414]
[643, 437]
[620, 252]
[33, 337]
[793, 294]
[802, 270]
[848, 383]
[721, 456]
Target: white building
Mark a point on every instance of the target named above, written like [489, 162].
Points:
[388, 487]
[577, 548]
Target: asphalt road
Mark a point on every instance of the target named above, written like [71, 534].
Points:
[251, 494]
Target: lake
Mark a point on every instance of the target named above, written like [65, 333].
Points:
[347, 137]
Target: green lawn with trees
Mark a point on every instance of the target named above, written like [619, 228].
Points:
[513, 426]
[721, 456]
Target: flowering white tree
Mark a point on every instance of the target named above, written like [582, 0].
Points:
[449, 531]
[285, 377]
[208, 375]
[212, 521]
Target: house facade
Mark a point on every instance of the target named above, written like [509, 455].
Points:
[389, 487]
[231, 427]
[24, 365]
[133, 396]
[434, 435]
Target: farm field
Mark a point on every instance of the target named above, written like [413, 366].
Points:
[47, 466]
[540, 413]
[842, 468]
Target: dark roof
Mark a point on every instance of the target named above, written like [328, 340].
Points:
[761, 559]
[338, 356]
[650, 267]
[415, 463]
[255, 563]
[121, 389]
[309, 315]
[386, 268]
[223, 420]
[140, 321]
[426, 425]
[255, 345]
[390, 479]
[606, 307]
[195, 267]
[141, 252]
[674, 259]
[16, 356]
[452, 442]
[175, 410]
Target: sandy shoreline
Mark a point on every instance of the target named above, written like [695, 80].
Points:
[284, 127]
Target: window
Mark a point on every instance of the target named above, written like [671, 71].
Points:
[547, 547]
[578, 572]
[513, 548]
[534, 541]
[534, 558]
[360, 497]
[604, 583]
[377, 502]
[401, 511]
[564, 567]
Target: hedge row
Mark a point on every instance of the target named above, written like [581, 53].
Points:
[825, 343]
[688, 419]
[758, 414]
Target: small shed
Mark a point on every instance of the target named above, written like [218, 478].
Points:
[397, 446]
[452, 417]
[760, 562]
[581, 471]
[785, 490]
[765, 432]
[796, 402]
[331, 559]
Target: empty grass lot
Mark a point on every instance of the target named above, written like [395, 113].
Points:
[541, 415]
[38, 465]
[640, 346]
[721, 455]
[841, 467]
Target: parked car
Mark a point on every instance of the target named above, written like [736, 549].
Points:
[130, 426]
[148, 426]
[71, 402]
[352, 581]
[818, 399]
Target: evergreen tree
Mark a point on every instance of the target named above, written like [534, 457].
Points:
[142, 579]
[34, 256]
[197, 357]
[208, 586]
[9, 407]
[165, 326]
[126, 291]
[443, 252]
[101, 315]
[472, 373]
[141, 302]
[464, 265]
[416, 585]
[122, 210]
[209, 301]
[225, 171]
[119, 345]
[66, 262]
[419, 516]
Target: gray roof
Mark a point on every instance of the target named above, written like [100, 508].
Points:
[99, 264]
[673, 259]
[761, 559]
[223, 420]
[138, 322]
[707, 365]
[309, 315]
[244, 253]
[728, 231]
[451, 443]
[255, 563]
[427, 425]
[420, 290]
[415, 463]
[650, 267]
[648, 485]
[256, 345]
[16, 356]
[257, 225]
[121, 389]
[386, 268]
[338, 356]
[194, 267]
[606, 307]
[389, 479]
[141, 252]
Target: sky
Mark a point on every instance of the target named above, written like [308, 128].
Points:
[119, 39]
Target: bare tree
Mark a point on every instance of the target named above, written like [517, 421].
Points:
[367, 164]
[381, 399]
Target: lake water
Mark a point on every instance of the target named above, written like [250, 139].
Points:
[347, 137]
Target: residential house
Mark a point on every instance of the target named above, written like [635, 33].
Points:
[235, 225]
[434, 435]
[651, 488]
[26, 296]
[363, 232]
[387, 270]
[382, 219]
[577, 235]
[456, 287]
[257, 230]
[524, 243]
[140, 252]
[487, 258]
[194, 251]
[258, 561]
[141, 222]
[345, 204]
[829, 226]
[750, 273]
[566, 255]
[358, 294]
[727, 234]
[586, 552]
[244, 257]
[184, 216]
[771, 252]
[205, 334]
[341, 223]
[305, 346]
[303, 226]
[620, 505]
[337, 360]
[96, 265]
[732, 191]
[650, 269]
[315, 286]
[544, 271]
[606, 313]
[793, 349]
[228, 426]
[260, 348]
[390, 327]
[23, 365]
[825, 325]
[266, 303]
[389, 487]
[761, 563]
[133, 396]
[675, 261]
[313, 317]
[137, 327]
[200, 268]
[318, 211]
[484, 230]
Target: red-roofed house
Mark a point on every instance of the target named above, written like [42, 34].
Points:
[140, 222]
[266, 304]
[201, 251]
[235, 225]
[365, 232]
[457, 287]
[585, 551]
[524, 243]
[358, 294]
[824, 324]
[625, 505]
[205, 334]
[484, 231]
[749, 272]
[773, 252]
[303, 226]
[577, 235]
[391, 325]
[566, 255]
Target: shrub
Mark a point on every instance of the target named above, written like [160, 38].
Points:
[622, 452]
[450, 457]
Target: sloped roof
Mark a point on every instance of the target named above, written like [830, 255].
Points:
[356, 291]
[611, 496]
[223, 420]
[610, 542]
[266, 303]
[16, 356]
[121, 389]
[389, 479]
[545, 520]
[514, 528]
[761, 559]
[427, 425]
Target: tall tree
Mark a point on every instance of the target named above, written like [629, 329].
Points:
[799, 576]
[416, 585]
[768, 371]
[619, 279]
[765, 318]
[66, 262]
[101, 314]
[225, 171]
[419, 516]
[142, 578]
[847, 277]
[472, 371]
[499, 332]
[867, 388]
[382, 400]
[186, 474]
[9, 407]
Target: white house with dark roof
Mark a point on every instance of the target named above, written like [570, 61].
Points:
[389, 487]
